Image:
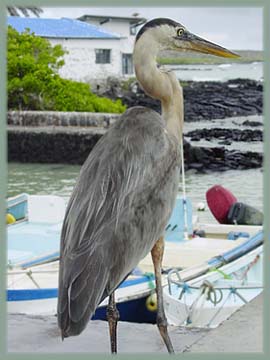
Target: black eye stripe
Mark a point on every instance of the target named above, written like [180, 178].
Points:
[155, 23]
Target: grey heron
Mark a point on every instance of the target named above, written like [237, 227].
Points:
[126, 190]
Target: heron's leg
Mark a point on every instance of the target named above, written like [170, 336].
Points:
[157, 255]
[113, 317]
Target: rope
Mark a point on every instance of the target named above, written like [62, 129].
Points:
[211, 293]
[29, 274]
[193, 306]
[250, 265]
[233, 291]
[185, 288]
[219, 309]
[150, 277]
[206, 292]
[184, 188]
[225, 276]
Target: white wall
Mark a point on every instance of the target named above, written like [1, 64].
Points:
[127, 45]
[80, 61]
[121, 28]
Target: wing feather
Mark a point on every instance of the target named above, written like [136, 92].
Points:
[104, 232]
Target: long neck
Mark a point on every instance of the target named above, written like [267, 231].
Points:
[160, 85]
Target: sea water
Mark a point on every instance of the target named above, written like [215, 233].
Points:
[222, 72]
[246, 185]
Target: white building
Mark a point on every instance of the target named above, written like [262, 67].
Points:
[95, 51]
[127, 27]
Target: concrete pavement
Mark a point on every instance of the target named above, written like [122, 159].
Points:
[242, 332]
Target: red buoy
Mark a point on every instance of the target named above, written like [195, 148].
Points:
[219, 201]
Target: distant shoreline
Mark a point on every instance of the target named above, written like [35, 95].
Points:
[246, 57]
[176, 61]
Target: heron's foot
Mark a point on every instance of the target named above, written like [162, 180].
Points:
[113, 317]
[163, 329]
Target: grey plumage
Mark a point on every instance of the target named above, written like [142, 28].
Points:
[119, 208]
[126, 190]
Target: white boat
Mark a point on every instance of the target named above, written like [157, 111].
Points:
[211, 273]
[33, 291]
[183, 254]
[206, 294]
[33, 250]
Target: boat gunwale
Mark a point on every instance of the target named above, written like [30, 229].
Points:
[215, 275]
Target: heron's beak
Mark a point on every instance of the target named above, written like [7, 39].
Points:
[195, 43]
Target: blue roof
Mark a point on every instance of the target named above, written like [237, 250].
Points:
[60, 28]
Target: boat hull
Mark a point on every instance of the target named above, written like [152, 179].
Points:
[195, 307]
[133, 310]
[131, 297]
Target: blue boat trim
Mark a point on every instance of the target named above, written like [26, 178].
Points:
[49, 293]
[238, 251]
[31, 294]
[133, 310]
[42, 259]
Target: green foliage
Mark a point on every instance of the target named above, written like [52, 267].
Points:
[34, 84]
[67, 95]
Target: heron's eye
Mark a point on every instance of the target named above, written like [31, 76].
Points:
[180, 31]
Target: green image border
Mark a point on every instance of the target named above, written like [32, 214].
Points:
[265, 4]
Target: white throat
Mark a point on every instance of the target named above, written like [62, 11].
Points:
[159, 84]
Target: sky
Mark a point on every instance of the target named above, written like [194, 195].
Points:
[232, 27]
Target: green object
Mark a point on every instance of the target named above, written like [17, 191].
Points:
[225, 276]
[34, 82]
[151, 278]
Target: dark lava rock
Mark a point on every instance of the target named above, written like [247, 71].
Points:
[204, 159]
[226, 135]
[225, 142]
[196, 138]
[252, 123]
[205, 100]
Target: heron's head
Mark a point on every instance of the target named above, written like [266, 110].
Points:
[171, 35]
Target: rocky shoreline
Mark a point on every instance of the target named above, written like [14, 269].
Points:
[68, 138]
[226, 136]
[202, 100]
[203, 159]
[72, 146]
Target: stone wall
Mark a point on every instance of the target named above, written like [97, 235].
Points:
[60, 118]
[45, 145]
[54, 137]
[68, 138]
